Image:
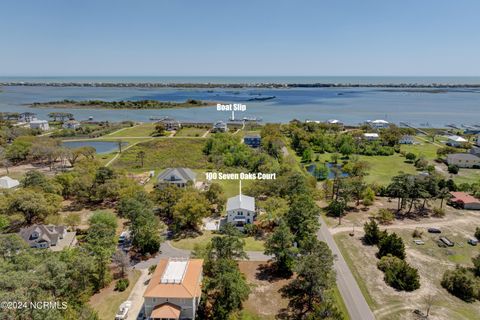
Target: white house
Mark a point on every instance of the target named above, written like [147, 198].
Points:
[378, 124]
[174, 291]
[240, 210]
[456, 141]
[8, 183]
[371, 136]
[39, 124]
[406, 139]
[179, 177]
[463, 160]
[71, 124]
[220, 126]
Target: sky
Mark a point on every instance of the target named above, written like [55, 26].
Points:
[240, 38]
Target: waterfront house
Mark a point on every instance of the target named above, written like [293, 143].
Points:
[456, 141]
[179, 177]
[39, 124]
[371, 136]
[170, 124]
[27, 117]
[406, 139]
[219, 126]
[464, 200]
[8, 183]
[240, 210]
[71, 124]
[252, 140]
[43, 236]
[174, 291]
[463, 160]
[378, 124]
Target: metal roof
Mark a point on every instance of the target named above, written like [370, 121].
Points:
[241, 202]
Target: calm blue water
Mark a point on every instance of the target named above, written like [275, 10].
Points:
[331, 175]
[100, 146]
[350, 105]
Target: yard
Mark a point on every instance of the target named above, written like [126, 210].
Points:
[191, 132]
[142, 130]
[429, 259]
[107, 301]
[164, 153]
[251, 244]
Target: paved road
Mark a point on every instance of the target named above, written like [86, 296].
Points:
[352, 296]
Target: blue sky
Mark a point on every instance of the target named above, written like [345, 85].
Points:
[248, 37]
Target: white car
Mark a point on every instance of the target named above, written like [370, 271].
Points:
[123, 310]
[418, 241]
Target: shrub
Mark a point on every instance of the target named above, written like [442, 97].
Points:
[391, 244]
[477, 233]
[417, 233]
[461, 283]
[152, 268]
[399, 274]
[372, 233]
[438, 212]
[368, 197]
[384, 216]
[122, 285]
[453, 169]
[410, 156]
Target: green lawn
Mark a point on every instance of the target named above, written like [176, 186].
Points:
[189, 243]
[164, 153]
[191, 132]
[428, 150]
[107, 303]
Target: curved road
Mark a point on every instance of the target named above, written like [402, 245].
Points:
[356, 304]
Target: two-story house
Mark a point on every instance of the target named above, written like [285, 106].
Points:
[240, 210]
[179, 177]
[43, 236]
[253, 140]
[174, 290]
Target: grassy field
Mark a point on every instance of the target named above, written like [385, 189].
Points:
[107, 301]
[431, 262]
[142, 130]
[189, 243]
[164, 153]
[191, 132]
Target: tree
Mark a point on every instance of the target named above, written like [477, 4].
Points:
[320, 172]
[460, 282]
[357, 187]
[453, 169]
[346, 149]
[476, 265]
[411, 157]
[336, 208]
[372, 233]
[121, 259]
[275, 209]
[33, 205]
[216, 196]
[189, 211]
[280, 245]
[384, 216]
[159, 129]
[399, 274]
[166, 198]
[146, 229]
[477, 233]
[315, 278]
[302, 217]
[368, 197]
[391, 244]
[141, 157]
[72, 219]
[307, 155]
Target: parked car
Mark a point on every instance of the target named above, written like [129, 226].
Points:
[418, 241]
[472, 241]
[123, 310]
[447, 241]
[434, 230]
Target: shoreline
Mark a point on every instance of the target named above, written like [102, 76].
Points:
[238, 85]
[120, 105]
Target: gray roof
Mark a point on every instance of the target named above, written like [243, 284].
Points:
[462, 156]
[46, 233]
[241, 202]
[179, 175]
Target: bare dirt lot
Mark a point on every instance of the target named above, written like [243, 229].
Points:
[430, 260]
[265, 299]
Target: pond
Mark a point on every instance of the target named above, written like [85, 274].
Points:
[311, 169]
[100, 146]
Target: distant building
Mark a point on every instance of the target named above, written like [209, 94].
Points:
[179, 177]
[371, 136]
[71, 124]
[8, 183]
[465, 201]
[407, 139]
[253, 140]
[174, 291]
[335, 121]
[27, 117]
[43, 236]
[220, 126]
[475, 151]
[463, 160]
[240, 210]
[378, 124]
[170, 124]
[456, 141]
[39, 124]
